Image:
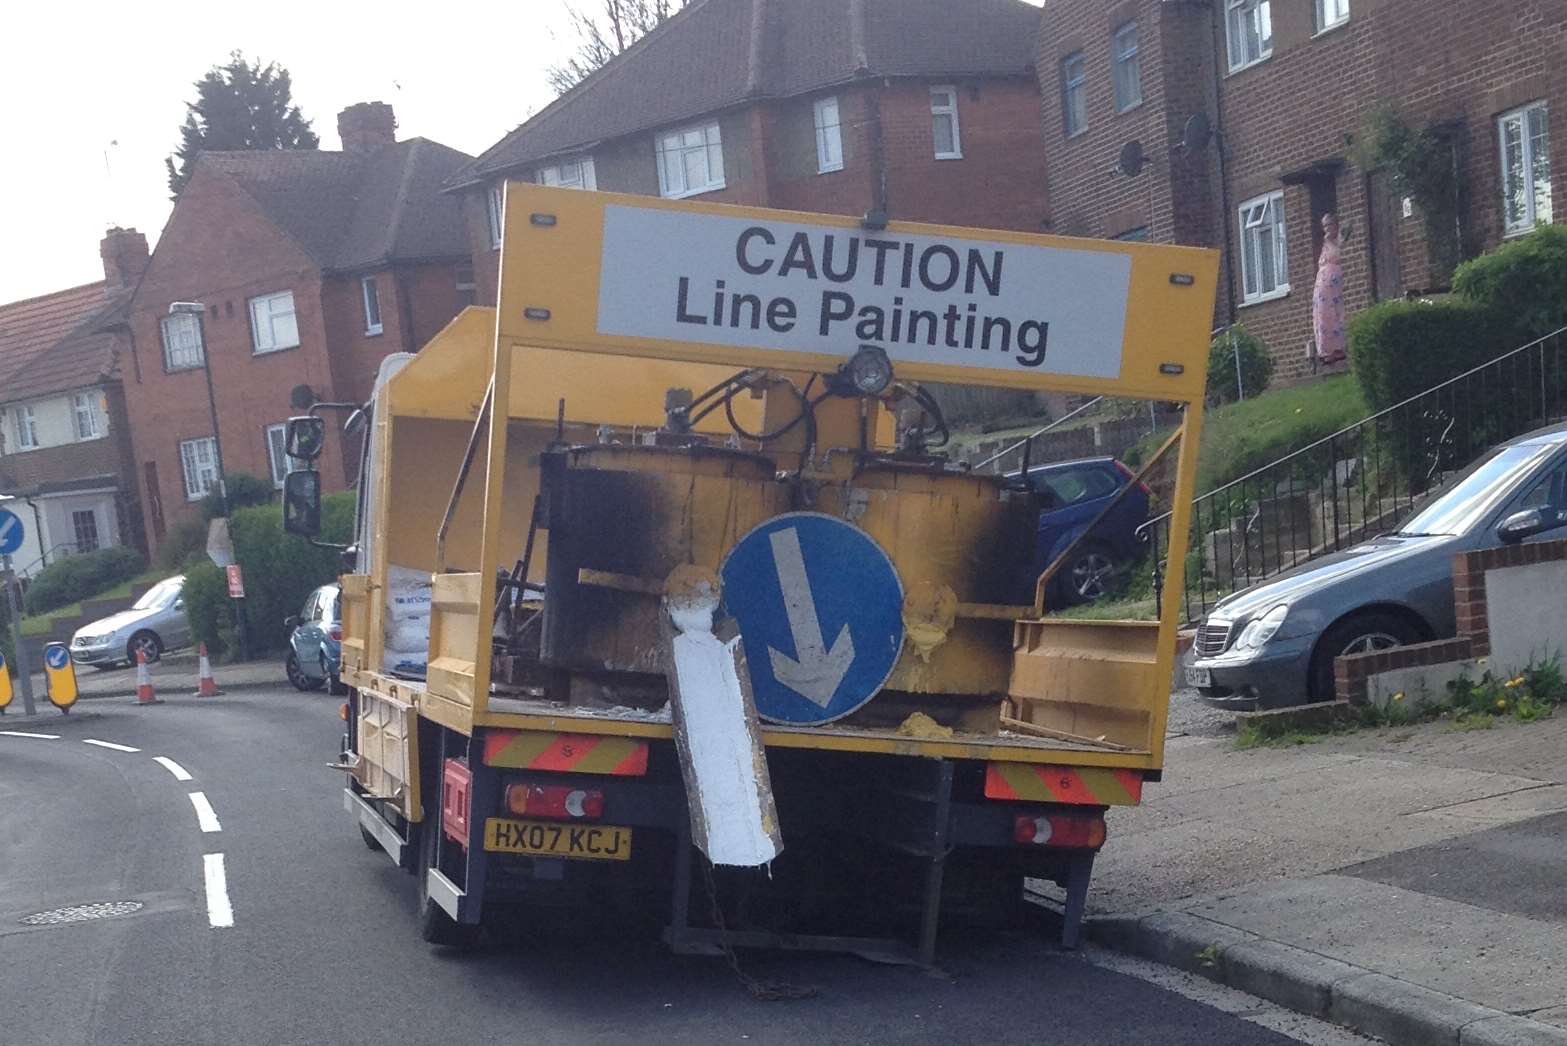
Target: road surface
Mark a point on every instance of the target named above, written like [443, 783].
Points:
[264, 919]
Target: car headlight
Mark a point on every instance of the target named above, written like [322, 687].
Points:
[1263, 629]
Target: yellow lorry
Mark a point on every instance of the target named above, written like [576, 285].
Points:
[672, 397]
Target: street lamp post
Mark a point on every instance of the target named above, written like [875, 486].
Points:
[199, 310]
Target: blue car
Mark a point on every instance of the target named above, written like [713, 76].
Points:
[315, 642]
[1073, 495]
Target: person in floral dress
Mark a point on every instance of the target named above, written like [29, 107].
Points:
[1327, 301]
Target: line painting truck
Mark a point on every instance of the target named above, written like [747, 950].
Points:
[664, 596]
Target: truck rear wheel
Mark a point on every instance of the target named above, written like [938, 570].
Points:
[435, 926]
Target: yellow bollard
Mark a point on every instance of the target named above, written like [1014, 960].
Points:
[60, 676]
[5, 686]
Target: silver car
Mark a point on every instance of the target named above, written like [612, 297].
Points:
[156, 622]
[1274, 644]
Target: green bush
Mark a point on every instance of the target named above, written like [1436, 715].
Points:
[1525, 280]
[1256, 366]
[1400, 348]
[244, 490]
[207, 607]
[185, 544]
[71, 579]
[280, 570]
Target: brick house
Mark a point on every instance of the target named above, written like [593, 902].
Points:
[65, 449]
[1287, 86]
[924, 110]
[312, 267]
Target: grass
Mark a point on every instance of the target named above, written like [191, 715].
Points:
[38, 625]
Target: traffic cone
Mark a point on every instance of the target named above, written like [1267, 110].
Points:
[144, 694]
[206, 686]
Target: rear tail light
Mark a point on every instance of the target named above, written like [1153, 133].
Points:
[1129, 474]
[1062, 831]
[554, 802]
[335, 633]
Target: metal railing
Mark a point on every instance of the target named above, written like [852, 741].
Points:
[1364, 480]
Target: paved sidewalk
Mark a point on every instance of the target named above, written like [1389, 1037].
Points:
[175, 673]
[1411, 882]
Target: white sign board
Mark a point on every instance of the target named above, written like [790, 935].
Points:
[810, 288]
[220, 546]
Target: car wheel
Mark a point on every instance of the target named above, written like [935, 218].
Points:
[334, 686]
[435, 926]
[146, 644]
[1088, 576]
[296, 675]
[1359, 634]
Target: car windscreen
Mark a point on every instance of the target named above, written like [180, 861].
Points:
[160, 595]
[1477, 494]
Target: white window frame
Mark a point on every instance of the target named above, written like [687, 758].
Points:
[1331, 14]
[278, 459]
[1240, 15]
[672, 149]
[182, 342]
[265, 315]
[1074, 94]
[199, 466]
[946, 110]
[76, 529]
[569, 174]
[370, 294]
[1263, 216]
[84, 409]
[1126, 71]
[495, 212]
[1534, 189]
[829, 134]
[26, 424]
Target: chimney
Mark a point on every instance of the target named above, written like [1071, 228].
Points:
[366, 126]
[124, 253]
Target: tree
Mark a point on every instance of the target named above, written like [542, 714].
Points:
[602, 37]
[240, 105]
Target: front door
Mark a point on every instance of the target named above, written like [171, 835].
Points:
[1385, 211]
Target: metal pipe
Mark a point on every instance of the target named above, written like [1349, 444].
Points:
[1033, 435]
[462, 476]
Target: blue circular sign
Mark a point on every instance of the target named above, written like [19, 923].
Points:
[820, 610]
[11, 532]
[56, 656]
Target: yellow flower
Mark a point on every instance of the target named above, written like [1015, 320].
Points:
[1398, 696]
[1501, 703]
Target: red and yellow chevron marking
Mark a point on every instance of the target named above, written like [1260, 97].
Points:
[566, 753]
[1082, 785]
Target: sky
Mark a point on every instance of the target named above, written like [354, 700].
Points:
[94, 96]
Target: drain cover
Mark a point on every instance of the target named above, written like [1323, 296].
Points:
[80, 913]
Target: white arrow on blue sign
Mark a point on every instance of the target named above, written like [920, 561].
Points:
[56, 656]
[11, 532]
[820, 610]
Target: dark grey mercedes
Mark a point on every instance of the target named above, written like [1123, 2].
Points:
[1273, 644]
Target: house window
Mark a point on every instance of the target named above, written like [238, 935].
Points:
[1249, 27]
[1137, 235]
[1331, 13]
[26, 428]
[372, 305]
[829, 136]
[1074, 95]
[199, 460]
[690, 161]
[944, 123]
[272, 323]
[1264, 258]
[495, 212]
[578, 174]
[1128, 73]
[85, 524]
[182, 348]
[85, 414]
[1526, 168]
[277, 454]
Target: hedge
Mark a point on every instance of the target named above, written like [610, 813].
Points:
[244, 490]
[71, 579]
[1400, 348]
[1524, 281]
[184, 545]
[280, 570]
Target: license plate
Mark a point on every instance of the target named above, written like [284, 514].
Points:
[545, 839]
[1200, 677]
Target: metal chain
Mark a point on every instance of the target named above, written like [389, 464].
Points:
[761, 990]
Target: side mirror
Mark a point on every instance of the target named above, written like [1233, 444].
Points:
[291, 621]
[179, 604]
[1522, 525]
[302, 503]
[305, 436]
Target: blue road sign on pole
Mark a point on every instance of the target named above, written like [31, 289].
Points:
[11, 532]
[820, 610]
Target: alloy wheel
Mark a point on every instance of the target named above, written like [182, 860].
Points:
[1368, 642]
[1091, 575]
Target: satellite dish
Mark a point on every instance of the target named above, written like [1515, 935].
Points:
[1130, 161]
[1196, 133]
[302, 397]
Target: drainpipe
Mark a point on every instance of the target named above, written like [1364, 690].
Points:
[38, 528]
[1220, 61]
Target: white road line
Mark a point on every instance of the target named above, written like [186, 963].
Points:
[219, 911]
[205, 815]
[24, 733]
[109, 744]
[179, 772]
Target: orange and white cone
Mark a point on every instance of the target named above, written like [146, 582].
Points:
[206, 686]
[144, 694]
